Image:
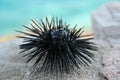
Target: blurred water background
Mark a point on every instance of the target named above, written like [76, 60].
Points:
[15, 13]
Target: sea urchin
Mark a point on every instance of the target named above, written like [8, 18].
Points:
[56, 47]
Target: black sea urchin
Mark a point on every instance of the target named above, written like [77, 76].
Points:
[56, 47]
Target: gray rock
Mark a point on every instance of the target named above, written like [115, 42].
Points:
[13, 66]
[111, 64]
[106, 27]
[106, 24]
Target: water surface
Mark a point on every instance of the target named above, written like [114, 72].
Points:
[15, 13]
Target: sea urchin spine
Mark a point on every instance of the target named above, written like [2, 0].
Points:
[56, 47]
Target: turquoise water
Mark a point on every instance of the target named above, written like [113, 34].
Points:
[15, 13]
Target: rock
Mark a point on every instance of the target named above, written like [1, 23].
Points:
[109, 73]
[13, 66]
[106, 28]
[111, 64]
[106, 24]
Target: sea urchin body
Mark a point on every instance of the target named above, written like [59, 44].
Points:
[59, 48]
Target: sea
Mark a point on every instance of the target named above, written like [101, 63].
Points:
[15, 13]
